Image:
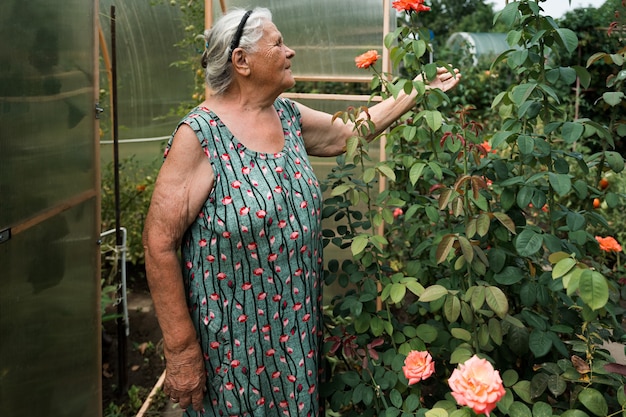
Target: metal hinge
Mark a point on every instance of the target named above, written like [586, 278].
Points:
[98, 110]
[5, 235]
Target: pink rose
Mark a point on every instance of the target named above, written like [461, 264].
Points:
[418, 365]
[477, 385]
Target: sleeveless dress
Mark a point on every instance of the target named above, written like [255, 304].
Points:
[252, 267]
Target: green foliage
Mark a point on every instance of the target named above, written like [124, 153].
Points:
[483, 241]
[136, 183]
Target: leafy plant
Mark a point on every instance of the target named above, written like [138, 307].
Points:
[483, 243]
[136, 182]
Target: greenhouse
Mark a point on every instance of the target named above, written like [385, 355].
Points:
[479, 231]
[477, 45]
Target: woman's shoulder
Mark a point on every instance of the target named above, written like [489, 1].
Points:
[288, 106]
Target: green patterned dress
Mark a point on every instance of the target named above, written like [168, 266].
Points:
[252, 266]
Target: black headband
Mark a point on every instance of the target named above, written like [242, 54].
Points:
[237, 38]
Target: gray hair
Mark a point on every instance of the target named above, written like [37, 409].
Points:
[215, 59]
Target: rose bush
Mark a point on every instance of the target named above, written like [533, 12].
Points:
[482, 243]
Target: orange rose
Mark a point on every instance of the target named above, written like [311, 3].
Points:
[410, 5]
[609, 244]
[418, 365]
[477, 385]
[367, 59]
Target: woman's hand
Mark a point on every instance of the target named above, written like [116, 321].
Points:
[185, 377]
[445, 80]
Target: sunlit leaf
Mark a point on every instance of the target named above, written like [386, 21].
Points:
[433, 293]
[416, 172]
[341, 189]
[594, 289]
[594, 401]
[359, 244]
[563, 267]
[497, 301]
[386, 171]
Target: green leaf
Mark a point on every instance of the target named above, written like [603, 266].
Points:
[522, 92]
[572, 132]
[341, 189]
[613, 98]
[574, 413]
[500, 137]
[539, 343]
[416, 172]
[359, 244]
[415, 287]
[460, 355]
[461, 334]
[482, 224]
[433, 293]
[563, 267]
[351, 378]
[526, 144]
[594, 289]
[583, 75]
[522, 389]
[509, 15]
[519, 409]
[412, 402]
[509, 276]
[561, 183]
[497, 301]
[369, 174]
[524, 196]
[615, 161]
[556, 384]
[528, 243]
[436, 412]
[427, 333]
[495, 331]
[433, 118]
[396, 398]
[568, 38]
[386, 171]
[466, 249]
[397, 293]
[594, 401]
[452, 308]
[351, 147]
[575, 221]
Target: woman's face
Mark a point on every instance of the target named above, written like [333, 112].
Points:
[271, 62]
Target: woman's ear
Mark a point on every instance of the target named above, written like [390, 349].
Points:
[240, 61]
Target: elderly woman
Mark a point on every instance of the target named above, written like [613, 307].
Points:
[240, 312]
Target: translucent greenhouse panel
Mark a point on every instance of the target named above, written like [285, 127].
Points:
[49, 360]
[149, 86]
[49, 279]
[47, 107]
[326, 35]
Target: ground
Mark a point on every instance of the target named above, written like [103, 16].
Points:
[144, 358]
